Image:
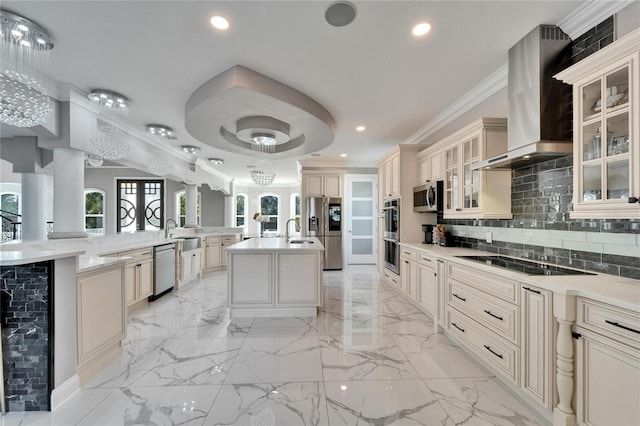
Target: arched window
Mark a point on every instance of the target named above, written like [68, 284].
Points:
[241, 212]
[94, 200]
[181, 209]
[10, 203]
[295, 209]
[269, 208]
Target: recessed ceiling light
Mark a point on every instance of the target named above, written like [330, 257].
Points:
[160, 130]
[343, 387]
[190, 149]
[361, 128]
[219, 23]
[340, 13]
[218, 161]
[421, 29]
[343, 155]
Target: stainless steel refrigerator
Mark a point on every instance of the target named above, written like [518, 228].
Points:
[324, 221]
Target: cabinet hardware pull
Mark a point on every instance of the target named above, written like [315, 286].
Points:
[406, 261]
[139, 264]
[621, 326]
[493, 315]
[531, 290]
[407, 252]
[456, 326]
[461, 298]
[435, 275]
[490, 350]
[458, 209]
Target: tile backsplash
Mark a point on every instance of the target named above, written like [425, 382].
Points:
[541, 198]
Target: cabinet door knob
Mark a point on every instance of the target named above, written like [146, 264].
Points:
[633, 200]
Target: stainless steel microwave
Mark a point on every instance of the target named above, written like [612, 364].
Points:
[428, 197]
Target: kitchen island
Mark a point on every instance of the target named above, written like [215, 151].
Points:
[271, 277]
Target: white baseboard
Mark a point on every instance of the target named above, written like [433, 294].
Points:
[63, 392]
[282, 312]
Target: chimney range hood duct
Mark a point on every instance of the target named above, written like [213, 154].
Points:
[539, 124]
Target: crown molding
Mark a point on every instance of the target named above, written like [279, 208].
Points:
[589, 14]
[492, 84]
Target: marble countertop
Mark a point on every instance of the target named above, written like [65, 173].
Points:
[88, 263]
[23, 257]
[611, 289]
[276, 244]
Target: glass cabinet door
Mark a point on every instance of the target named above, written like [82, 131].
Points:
[470, 177]
[605, 151]
[451, 181]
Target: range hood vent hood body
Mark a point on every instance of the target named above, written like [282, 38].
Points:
[539, 122]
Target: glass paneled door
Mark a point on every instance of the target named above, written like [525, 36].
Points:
[141, 205]
[361, 219]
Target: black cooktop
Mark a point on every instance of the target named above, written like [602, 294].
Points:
[526, 266]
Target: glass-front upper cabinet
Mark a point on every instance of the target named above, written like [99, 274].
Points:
[476, 194]
[606, 128]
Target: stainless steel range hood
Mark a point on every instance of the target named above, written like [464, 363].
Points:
[539, 122]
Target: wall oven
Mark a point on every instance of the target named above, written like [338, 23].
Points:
[391, 212]
[391, 234]
[391, 255]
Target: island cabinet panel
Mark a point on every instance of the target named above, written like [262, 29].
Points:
[101, 319]
[252, 277]
[297, 279]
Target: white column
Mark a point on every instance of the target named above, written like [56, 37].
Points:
[34, 207]
[191, 206]
[68, 194]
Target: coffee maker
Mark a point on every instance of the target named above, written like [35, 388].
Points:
[428, 234]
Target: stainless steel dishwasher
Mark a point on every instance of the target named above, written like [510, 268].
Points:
[164, 269]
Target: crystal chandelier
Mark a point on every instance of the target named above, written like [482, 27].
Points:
[25, 53]
[263, 173]
[94, 160]
[109, 140]
[159, 166]
[160, 130]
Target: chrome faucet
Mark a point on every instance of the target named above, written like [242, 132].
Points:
[166, 227]
[286, 229]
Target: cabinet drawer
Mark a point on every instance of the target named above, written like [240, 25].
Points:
[427, 261]
[617, 323]
[488, 283]
[408, 253]
[391, 277]
[228, 239]
[502, 356]
[495, 314]
[213, 239]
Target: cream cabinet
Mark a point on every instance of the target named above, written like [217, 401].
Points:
[191, 265]
[428, 285]
[429, 165]
[537, 345]
[476, 194]
[409, 272]
[213, 252]
[483, 311]
[138, 273]
[101, 306]
[607, 364]
[322, 185]
[606, 132]
[390, 171]
[226, 241]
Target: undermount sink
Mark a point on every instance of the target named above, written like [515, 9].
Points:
[300, 241]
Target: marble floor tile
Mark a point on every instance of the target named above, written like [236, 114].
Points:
[277, 359]
[283, 404]
[370, 357]
[178, 405]
[134, 356]
[435, 356]
[482, 401]
[399, 402]
[363, 357]
[183, 362]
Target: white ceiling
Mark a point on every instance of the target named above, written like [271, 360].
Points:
[372, 72]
